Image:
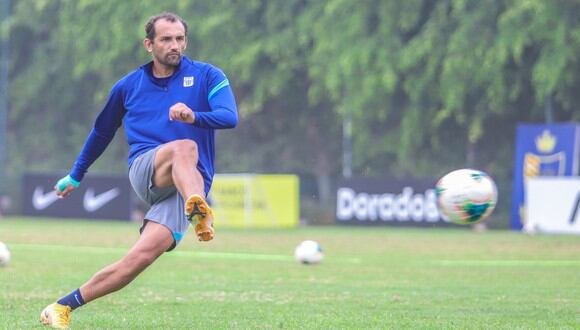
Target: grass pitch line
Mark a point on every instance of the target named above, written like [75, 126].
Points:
[254, 256]
[232, 255]
[211, 255]
[508, 263]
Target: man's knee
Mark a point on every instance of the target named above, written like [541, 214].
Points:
[137, 262]
[167, 156]
[184, 148]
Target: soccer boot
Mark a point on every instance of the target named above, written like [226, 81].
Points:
[56, 315]
[196, 209]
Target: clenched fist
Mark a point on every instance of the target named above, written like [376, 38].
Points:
[181, 112]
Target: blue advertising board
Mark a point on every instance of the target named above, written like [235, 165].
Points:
[99, 197]
[542, 150]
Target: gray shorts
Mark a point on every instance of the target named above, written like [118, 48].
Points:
[166, 204]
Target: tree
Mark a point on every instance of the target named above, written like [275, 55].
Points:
[431, 84]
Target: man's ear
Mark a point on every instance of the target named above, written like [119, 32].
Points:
[148, 44]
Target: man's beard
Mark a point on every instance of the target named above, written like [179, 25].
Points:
[172, 59]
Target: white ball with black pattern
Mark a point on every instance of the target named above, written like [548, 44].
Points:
[308, 252]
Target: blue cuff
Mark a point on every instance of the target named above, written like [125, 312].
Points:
[65, 182]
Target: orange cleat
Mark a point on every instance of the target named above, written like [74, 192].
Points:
[197, 209]
[56, 315]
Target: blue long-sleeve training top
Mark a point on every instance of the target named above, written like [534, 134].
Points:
[141, 103]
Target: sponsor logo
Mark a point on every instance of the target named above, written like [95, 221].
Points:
[546, 142]
[92, 202]
[401, 207]
[187, 81]
[42, 200]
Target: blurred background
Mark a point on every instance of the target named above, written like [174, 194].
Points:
[331, 92]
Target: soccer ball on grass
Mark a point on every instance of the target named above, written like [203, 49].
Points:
[466, 196]
[308, 252]
[4, 254]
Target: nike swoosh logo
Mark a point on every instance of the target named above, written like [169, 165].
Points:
[93, 202]
[40, 200]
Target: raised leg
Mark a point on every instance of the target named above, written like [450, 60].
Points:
[176, 165]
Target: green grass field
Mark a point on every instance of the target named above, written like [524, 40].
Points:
[247, 279]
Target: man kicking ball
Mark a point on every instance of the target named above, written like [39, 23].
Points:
[170, 108]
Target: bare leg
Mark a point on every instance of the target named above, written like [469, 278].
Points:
[176, 164]
[154, 240]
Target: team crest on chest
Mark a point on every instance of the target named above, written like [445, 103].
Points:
[187, 81]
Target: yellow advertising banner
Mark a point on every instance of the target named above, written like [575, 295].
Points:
[255, 200]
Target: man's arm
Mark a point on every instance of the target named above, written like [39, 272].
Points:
[106, 124]
[224, 112]
[222, 103]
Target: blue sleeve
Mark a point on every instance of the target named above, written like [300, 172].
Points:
[224, 112]
[106, 125]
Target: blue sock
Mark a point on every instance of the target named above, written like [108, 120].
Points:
[74, 299]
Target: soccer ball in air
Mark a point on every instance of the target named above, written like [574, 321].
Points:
[466, 196]
[308, 253]
[4, 255]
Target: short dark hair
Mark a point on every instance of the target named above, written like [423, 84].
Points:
[171, 17]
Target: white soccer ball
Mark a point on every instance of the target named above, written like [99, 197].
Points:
[308, 253]
[466, 196]
[4, 254]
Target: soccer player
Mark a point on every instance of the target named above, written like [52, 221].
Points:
[170, 108]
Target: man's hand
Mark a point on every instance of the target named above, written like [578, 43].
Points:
[181, 112]
[65, 186]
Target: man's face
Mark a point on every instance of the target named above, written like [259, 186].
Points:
[169, 43]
